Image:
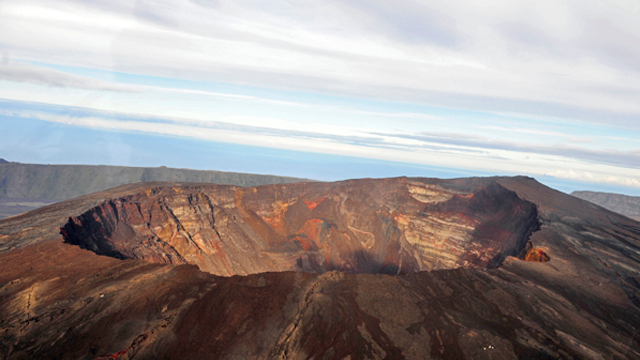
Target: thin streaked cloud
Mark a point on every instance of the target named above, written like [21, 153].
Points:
[475, 152]
[44, 76]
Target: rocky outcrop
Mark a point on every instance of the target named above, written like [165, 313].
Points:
[532, 253]
[370, 226]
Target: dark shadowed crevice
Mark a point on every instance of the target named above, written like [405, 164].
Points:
[89, 235]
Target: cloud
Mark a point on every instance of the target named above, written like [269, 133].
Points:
[45, 76]
[551, 58]
[627, 159]
[409, 21]
[434, 149]
[587, 177]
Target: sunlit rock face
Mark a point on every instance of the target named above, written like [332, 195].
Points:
[361, 226]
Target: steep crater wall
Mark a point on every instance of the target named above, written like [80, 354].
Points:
[361, 226]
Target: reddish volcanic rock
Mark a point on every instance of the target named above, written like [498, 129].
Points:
[376, 226]
[59, 301]
[532, 253]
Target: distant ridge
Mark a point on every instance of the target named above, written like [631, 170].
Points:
[622, 204]
[25, 187]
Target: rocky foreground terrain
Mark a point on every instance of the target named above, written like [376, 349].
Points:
[622, 204]
[481, 268]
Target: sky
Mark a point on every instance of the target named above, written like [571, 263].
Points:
[328, 90]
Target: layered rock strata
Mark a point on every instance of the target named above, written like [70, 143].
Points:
[372, 226]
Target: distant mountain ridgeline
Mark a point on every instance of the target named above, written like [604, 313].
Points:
[25, 187]
[622, 204]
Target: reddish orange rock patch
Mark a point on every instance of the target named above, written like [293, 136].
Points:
[276, 222]
[276, 218]
[312, 228]
[304, 243]
[308, 235]
[312, 204]
[536, 255]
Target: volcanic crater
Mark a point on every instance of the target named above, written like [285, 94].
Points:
[387, 226]
[157, 280]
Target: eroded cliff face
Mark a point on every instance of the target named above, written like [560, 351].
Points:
[367, 226]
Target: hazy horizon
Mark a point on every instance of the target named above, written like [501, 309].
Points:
[128, 149]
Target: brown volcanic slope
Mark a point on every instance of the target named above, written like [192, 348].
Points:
[622, 204]
[146, 299]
